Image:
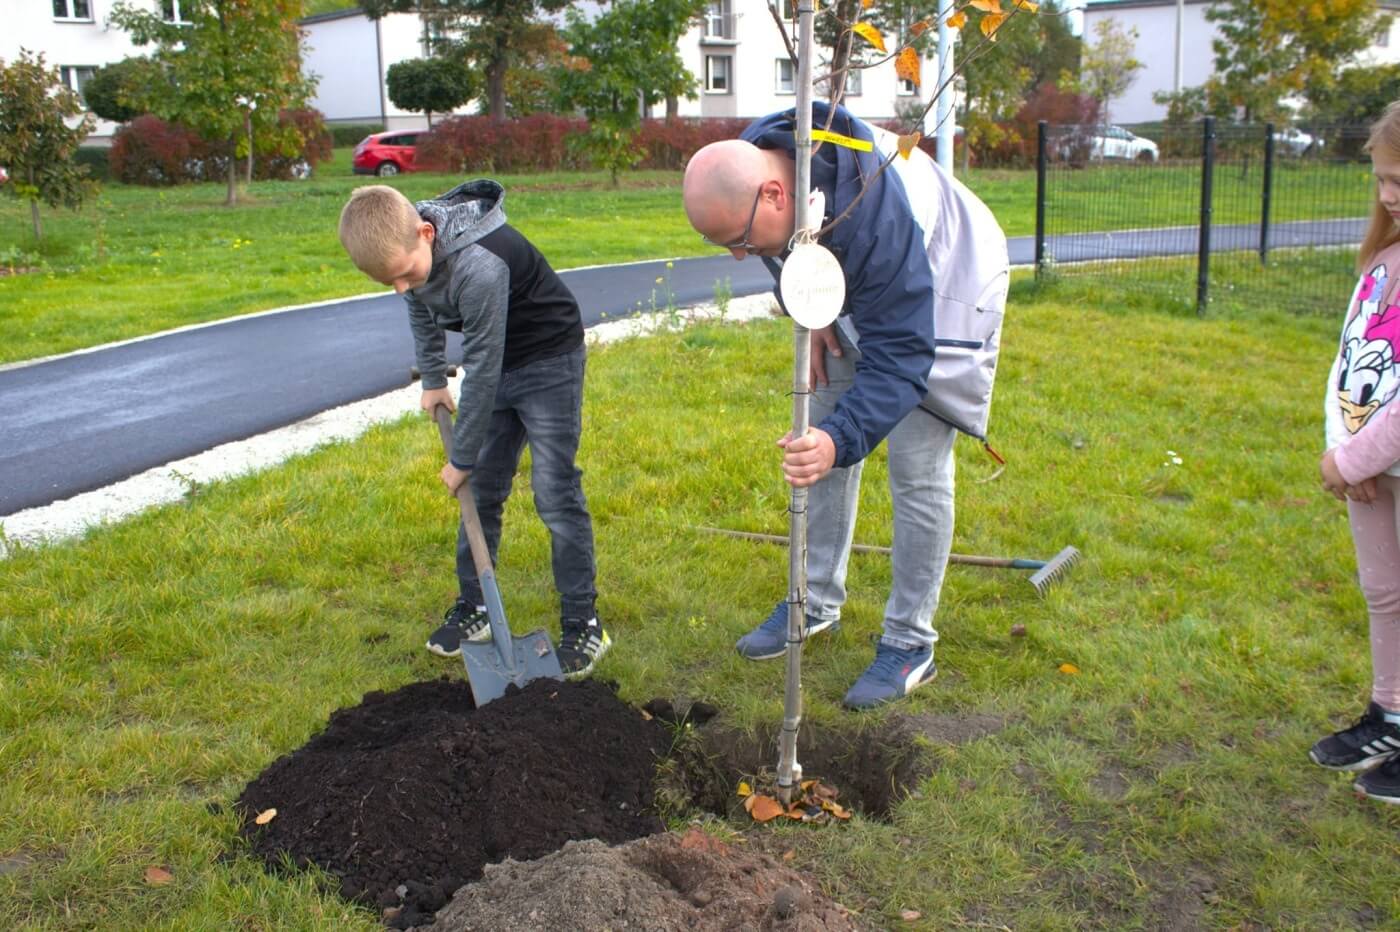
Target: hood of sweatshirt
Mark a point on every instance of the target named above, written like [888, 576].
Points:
[463, 215]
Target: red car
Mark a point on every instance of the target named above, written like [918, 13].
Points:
[385, 153]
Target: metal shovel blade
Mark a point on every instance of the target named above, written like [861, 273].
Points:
[531, 656]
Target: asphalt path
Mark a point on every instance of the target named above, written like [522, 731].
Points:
[85, 420]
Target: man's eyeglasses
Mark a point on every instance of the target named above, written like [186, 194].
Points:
[743, 241]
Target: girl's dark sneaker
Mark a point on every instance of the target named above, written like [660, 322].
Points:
[582, 643]
[1371, 741]
[462, 621]
[1382, 783]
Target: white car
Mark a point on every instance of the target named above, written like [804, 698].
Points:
[1115, 142]
[1293, 141]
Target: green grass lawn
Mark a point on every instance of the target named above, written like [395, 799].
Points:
[150, 670]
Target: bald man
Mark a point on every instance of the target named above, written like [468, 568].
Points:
[910, 360]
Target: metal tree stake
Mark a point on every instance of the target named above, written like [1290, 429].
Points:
[789, 770]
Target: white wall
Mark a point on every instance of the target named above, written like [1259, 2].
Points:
[89, 42]
[754, 51]
[1156, 49]
[343, 53]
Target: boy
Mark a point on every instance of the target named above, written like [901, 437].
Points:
[460, 266]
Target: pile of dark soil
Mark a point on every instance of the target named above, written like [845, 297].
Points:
[664, 883]
[408, 795]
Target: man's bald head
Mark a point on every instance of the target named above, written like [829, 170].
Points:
[722, 182]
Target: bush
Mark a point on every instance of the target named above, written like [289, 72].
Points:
[314, 148]
[480, 144]
[96, 159]
[350, 134]
[671, 143]
[150, 151]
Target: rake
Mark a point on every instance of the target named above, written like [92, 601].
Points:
[1047, 572]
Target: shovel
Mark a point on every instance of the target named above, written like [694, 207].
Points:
[506, 660]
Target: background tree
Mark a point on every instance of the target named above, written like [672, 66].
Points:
[1056, 60]
[1356, 97]
[36, 142]
[997, 80]
[123, 90]
[488, 34]
[1108, 67]
[229, 49]
[529, 85]
[1269, 50]
[624, 61]
[430, 85]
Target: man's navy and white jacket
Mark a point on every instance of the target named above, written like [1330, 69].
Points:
[926, 276]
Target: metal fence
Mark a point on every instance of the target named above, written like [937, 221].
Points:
[1205, 215]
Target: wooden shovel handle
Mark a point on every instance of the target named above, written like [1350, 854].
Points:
[471, 522]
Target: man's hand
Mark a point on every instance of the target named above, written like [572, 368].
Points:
[452, 477]
[823, 340]
[432, 397]
[807, 459]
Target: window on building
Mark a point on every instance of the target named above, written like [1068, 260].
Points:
[76, 77]
[907, 88]
[718, 79]
[719, 21]
[787, 9]
[72, 9]
[786, 82]
[853, 82]
[173, 11]
[1383, 37]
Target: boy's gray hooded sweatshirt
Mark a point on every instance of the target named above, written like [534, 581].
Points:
[490, 283]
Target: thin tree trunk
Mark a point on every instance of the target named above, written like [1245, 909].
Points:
[232, 198]
[673, 106]
[496, 79]
[248, 124]
[34, 208]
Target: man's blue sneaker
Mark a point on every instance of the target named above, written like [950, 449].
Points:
[895, 673]
[769, 639]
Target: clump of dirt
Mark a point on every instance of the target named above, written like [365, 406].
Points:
[664, 883]
[410, 794]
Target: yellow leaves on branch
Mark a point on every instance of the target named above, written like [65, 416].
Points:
[919, 28]
[870, 34]
[906, 65]
[958, 20]
[990, 24]
[1025, 5]
[866, 4]
[907, 143]
[986, 6]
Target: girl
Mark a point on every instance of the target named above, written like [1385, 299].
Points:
[1361, 467]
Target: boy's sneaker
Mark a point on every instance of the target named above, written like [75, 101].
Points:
[769, 639]
[894, 674]
[462, 621]
[1382, 783]
[581, 643]
[1370, 741]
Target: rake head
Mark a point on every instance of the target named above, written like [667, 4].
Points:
[1054, 569]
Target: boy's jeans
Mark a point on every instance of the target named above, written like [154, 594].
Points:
[920, 454]
[540, 404]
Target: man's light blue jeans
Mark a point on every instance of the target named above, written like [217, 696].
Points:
[920, 454]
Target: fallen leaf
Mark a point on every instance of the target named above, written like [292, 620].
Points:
[907, 143]
[158, 876]
[919, 28]
[789, 854]
[646, 716]
[990, 24]
[266, 816]
[958, 20]
[1069, 668]
[1018, 630]
[906, 65]
[764, 808]
[748, 803]
[870, 34]
[745, 789]
[910, 915]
